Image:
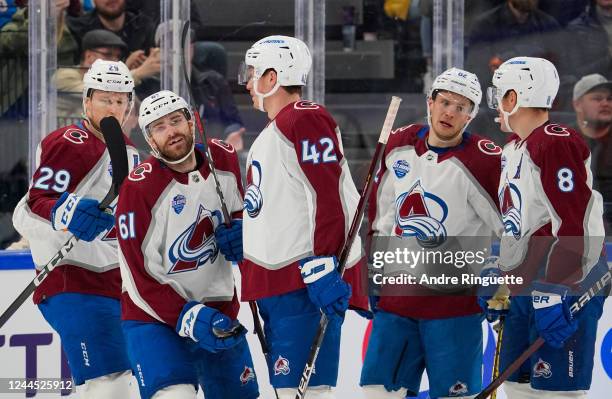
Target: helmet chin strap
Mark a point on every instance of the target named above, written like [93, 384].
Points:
[506, 117]
[260, 96]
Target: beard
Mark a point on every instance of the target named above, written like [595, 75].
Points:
[176, 154]
[111, 14]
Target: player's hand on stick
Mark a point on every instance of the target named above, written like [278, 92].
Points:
[211, 329]
[326, 288]
[553, 318]
[494, 299]
[81, 216]
[229, 240]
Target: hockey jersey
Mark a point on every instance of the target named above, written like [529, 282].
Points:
[299, 201]
[553, 223]
[167, 248]
[420, 194]
[71, 159]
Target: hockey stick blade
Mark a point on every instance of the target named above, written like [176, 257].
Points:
[352, 233]
[115, 143]
[575, 308]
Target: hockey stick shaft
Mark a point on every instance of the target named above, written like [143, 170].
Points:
[200, 126]
[113, 136]
[226, 215]
[500, 337]
[352, 234]
[575, 308]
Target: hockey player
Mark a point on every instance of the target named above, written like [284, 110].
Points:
[179, 304]
[299, 203]
[80, 297]
[436, 185]
[554, 235]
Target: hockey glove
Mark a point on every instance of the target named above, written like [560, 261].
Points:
[326, 289]
[553, 319]
[80, 216]
[229, 240]
[494, 299]
[211, 329]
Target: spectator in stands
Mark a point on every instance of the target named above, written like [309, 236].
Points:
[564, 11]
[96, 44]
[213, 96]
[516, 27]
[592, 31]
[14, 55]
[135, 29]
[593, 105]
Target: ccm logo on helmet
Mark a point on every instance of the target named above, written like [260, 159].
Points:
[158, 106]
[114, 81]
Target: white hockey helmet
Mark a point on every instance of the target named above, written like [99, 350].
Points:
[535, 81]
[288, 56]
[157, 106]
[460, 82]
[108, 76]
[113, 76]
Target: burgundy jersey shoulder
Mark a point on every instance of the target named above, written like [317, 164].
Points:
[74, 142]
[406, 135]
[552, 140]
[480, 155]
[224, 156]
[301, 117]
[146, 181]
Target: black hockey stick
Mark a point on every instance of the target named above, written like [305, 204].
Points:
[575, 308]
[113, 136]
[252, 304]
[198, 120]
[352, 234]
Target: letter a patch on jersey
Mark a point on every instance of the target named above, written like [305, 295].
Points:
[196, 245]
[510, 203]
[421, 214]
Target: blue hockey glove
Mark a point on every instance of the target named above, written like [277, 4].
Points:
[494, 299]
[80, 216]
[326, 288]
[553, 319]
[229, 240]
[211, 329]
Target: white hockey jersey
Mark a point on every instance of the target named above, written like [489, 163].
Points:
[299, 201]
[552, 217]
[70, 159]
[444, 198]
[167, 249]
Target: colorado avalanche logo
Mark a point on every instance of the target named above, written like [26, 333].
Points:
[421, 214]
[247, 375]
[510, 203]
[542, 369]
[459, 388]
[253, 199]
[281, 366]
[196, 245]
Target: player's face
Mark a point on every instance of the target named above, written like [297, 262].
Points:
[172, 135]
[596, 106]
[104, 103]
[449, 114]
[264, 84]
